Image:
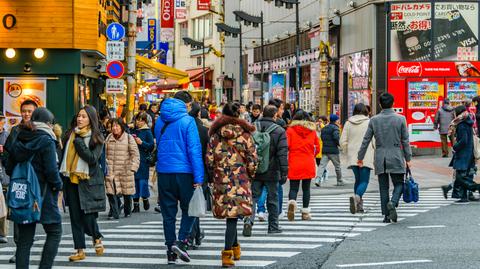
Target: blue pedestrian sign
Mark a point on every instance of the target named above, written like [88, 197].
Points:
[115, 31]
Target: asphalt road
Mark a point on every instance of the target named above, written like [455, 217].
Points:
[333, 239]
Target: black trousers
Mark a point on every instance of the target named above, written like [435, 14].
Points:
[384, 184]
[115, 204]
[295, 186]
[25, 243]
[231, 238]
[272, 202]
[82, 223]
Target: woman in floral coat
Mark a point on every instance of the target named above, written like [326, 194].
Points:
[232, 161]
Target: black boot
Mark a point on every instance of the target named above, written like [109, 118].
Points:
[146, 204]
[386, 220]
[136, 205]
[446, 189]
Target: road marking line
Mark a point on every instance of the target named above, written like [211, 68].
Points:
[310, 223]
[381, 263]
[263, 226]
[207, 231]
[426, 226]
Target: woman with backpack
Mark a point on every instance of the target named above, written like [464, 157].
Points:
[144, 139]
[85, 184]
[123, 160]
[37, 144]
[303, 146]
[232, 160]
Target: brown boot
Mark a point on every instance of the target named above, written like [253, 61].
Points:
[360, 205]
[99, 249]
[78, 256]
[227, 260]
[292, 207]
[306, 214]
[237, 252]
[353, 204]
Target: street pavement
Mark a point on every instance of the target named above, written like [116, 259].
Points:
[333, 239]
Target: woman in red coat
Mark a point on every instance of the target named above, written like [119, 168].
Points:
[303, 146]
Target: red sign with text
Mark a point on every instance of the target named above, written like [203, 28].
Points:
[203, 4]
[167, 21]
[433, 69]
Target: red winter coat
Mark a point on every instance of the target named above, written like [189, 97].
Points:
[303, 146]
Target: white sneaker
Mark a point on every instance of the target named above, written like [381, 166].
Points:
[261, 216]
[281, 216]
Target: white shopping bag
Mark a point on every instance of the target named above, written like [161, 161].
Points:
[197, 206]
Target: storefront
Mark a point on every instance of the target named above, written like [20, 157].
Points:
[53, 62]
[433, 52]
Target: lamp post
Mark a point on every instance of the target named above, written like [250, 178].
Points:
[289, 5]
[234, 32]
[255, 21]
[198, 45]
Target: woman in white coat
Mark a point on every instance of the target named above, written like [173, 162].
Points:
[350, 141]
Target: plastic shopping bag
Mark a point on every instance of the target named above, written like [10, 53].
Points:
[197, 205]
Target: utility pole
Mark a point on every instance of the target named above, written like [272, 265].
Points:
[131, 53]
[240, 79]
[324, 106]
[297, 53]
[262, 59]
[203, 57]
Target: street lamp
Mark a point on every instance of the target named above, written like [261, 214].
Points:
[198, 45]
[255, 21]
[234, 32]
[289, 5]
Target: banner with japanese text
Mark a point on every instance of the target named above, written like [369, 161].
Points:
[167, 21]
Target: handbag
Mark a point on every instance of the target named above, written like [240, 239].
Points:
[476, 147]
[410, 188]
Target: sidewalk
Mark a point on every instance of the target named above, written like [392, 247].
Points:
[428, 172]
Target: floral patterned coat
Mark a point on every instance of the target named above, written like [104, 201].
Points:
[232, 162]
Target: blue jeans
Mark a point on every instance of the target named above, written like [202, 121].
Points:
[172, 189]
[263, 198]
[362, 176]
[141, 189]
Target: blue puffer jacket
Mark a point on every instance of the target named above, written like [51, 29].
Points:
[179, 149]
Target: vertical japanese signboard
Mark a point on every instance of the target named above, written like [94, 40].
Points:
[203, 4]
[180, 10]
[167, 33]
[152, 33]
[359, 70]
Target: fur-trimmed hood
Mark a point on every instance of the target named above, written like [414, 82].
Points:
[230, 127]
[303, 128]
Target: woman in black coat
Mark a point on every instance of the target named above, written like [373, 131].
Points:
[36, 139]
[463, 160]
[85, 184]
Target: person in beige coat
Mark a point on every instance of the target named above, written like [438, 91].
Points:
[123, 160]
[351, 141]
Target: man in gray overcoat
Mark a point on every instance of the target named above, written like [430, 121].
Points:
[392, 153]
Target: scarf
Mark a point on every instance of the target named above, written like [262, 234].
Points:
[452, 129]
[73, 166]
[41, 126]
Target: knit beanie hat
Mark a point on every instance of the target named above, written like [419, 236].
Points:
[333, 118]
[44, 115]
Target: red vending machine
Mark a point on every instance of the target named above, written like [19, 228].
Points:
[423, 99]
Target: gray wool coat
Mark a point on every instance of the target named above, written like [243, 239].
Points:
[443, 118]
[392, 146]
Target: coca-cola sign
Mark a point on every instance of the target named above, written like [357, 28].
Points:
[409, 69]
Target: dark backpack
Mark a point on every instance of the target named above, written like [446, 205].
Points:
[24, 195]
[262, 143]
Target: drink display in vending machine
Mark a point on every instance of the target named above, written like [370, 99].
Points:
[422, 104]
[460, 90]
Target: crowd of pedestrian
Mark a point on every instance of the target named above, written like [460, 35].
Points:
[239, 155]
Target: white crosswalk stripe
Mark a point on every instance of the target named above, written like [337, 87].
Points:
[142, 245]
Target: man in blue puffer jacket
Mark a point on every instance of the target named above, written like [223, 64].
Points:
[180, 169]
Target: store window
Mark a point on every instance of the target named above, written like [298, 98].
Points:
[202, 27]
[183, 30]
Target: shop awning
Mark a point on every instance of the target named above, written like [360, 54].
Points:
[162, 70]
[196, 74]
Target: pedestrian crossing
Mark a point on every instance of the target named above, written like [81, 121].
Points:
[142, 245]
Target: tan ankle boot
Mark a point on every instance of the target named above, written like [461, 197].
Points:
[78, 256]
[292, 207]
[99, 249]
[227, 258]
[306, 214]
[237, 252]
